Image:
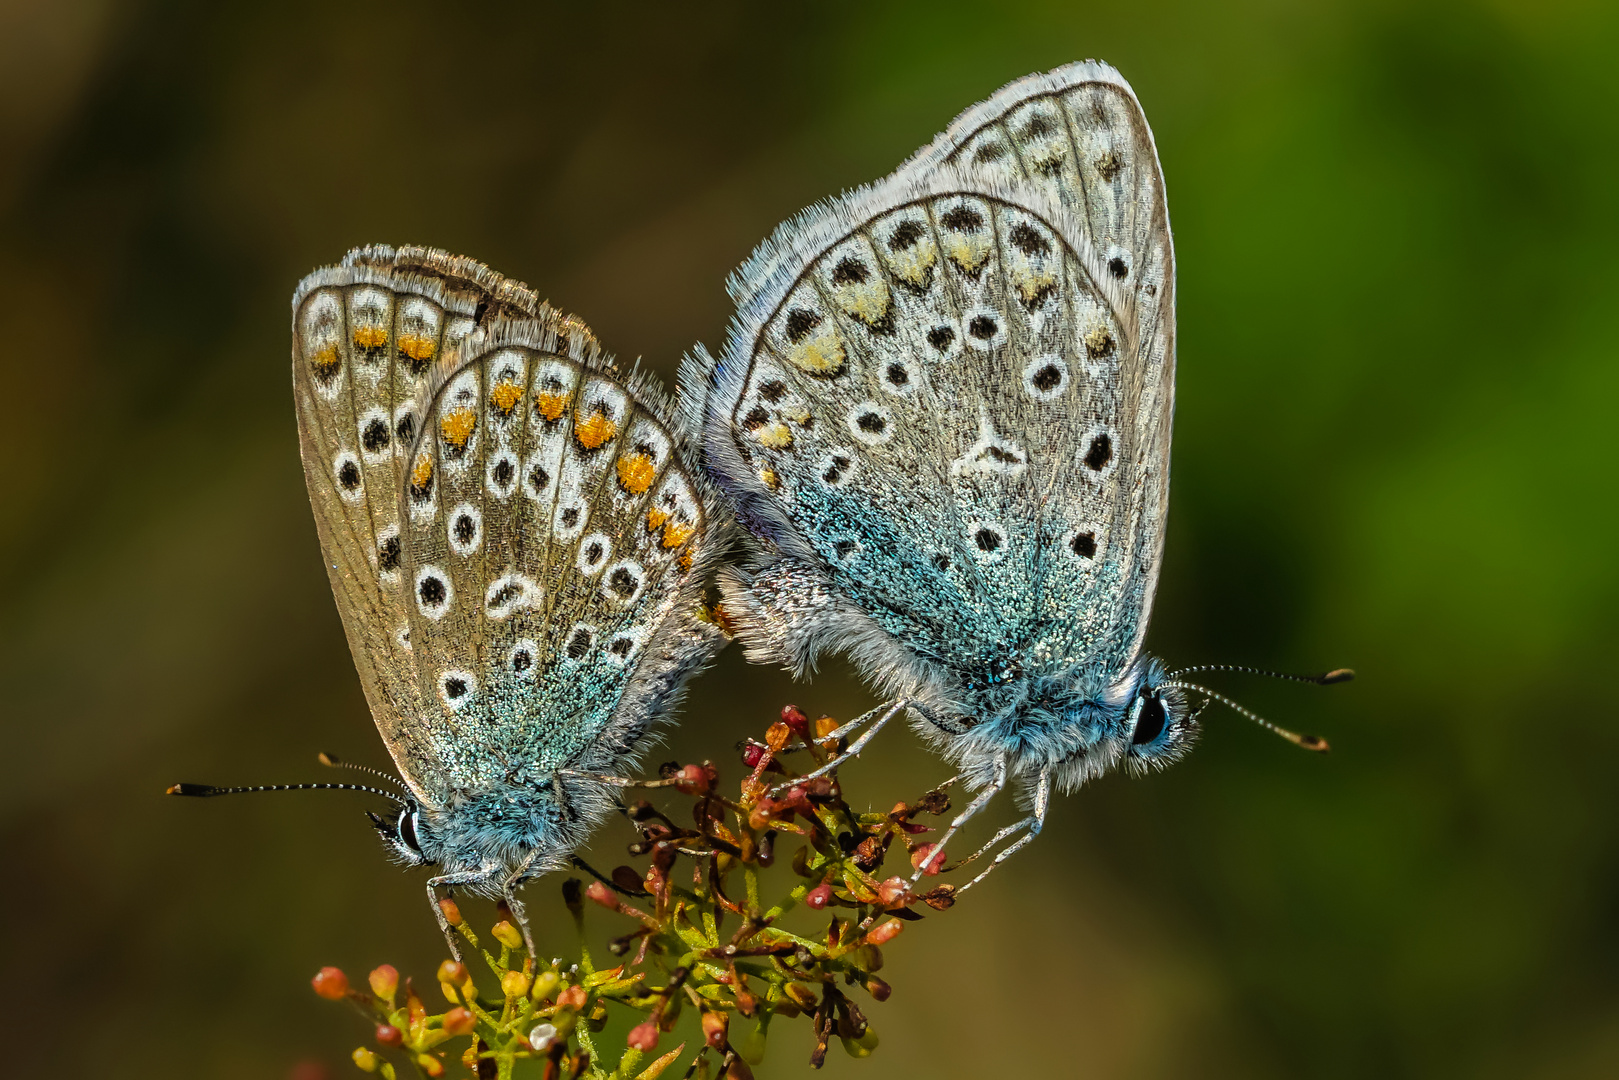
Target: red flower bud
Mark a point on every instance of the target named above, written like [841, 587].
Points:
[385, 981]
[459, 1021]
[794, 718]
[892, 892]
[759, 816]
[929, 857]
[572, 998]
[602, 895]
[714, 1027]
[752, 754]
[453, 972]
[885, 932]
[331, 984]
[878, 989]
[452, 913]
[388, 1035]
[693, 780]
[644, 1036]
[818, 897]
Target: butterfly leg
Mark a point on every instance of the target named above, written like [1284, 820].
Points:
[619, 781]
[858, 745]
[433, 885]
[981, 800]
[1031, 824]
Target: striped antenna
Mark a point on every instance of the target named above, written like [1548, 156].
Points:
[1308, 742]
[331, 761]
[1337, 675]
[208, 791]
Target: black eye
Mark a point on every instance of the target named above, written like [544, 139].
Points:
[407, 829]
[1150, 722]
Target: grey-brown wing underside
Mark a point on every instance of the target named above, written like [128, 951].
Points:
[556, 540]
[1078, 135]
[909, 405]
[365, 333]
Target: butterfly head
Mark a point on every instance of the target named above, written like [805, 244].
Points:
[498, 828]
[1161, 723]
[403, 833]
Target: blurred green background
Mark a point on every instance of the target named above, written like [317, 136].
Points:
[1396, 228]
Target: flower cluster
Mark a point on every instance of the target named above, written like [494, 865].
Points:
[700, 936]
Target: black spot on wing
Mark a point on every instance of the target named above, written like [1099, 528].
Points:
[800, 323]
[905, 236]
[579, 644]
[850, 271]
[1028, 240]
[1100, 453]
[375, 436]
[963, 219]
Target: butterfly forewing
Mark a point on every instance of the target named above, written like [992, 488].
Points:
[1079, 136]
[552, 530]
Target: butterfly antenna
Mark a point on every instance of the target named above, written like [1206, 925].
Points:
[332, 762]
[1337, 675]
[206, 791]
[1309, 742]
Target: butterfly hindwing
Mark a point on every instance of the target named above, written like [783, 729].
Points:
[548, 588]
[910, 394]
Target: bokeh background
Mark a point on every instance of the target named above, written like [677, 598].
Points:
[1395, 450]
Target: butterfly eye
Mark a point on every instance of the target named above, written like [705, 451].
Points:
[406, 829]
[1150, 718]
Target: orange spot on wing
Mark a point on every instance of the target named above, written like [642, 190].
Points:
[505, 395]
[770, 479]
[675, 533]
[594, 430]
[370, 337]
[635, 473]
[417, 347]
[325, 363]
[685, 564]
[550, 406]
[456, 426]
[655, 519]
[422, 474]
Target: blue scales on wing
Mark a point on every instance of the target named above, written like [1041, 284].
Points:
[554, 549]
[908, 400]
[1078, 136]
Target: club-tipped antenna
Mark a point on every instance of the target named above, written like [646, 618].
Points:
[331, 761]
[1337, 675]
[207, 791]
[1308, 742]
